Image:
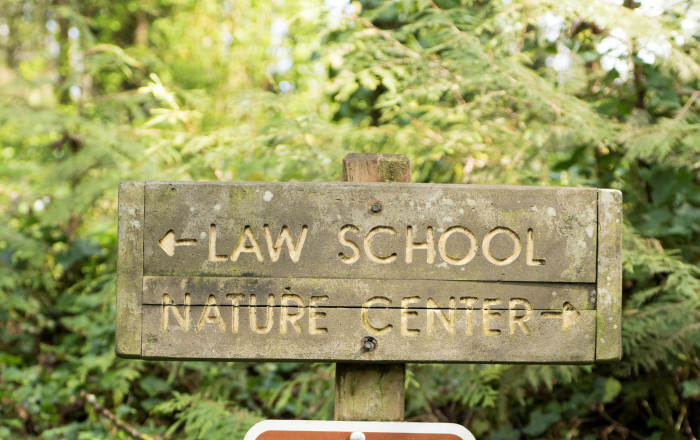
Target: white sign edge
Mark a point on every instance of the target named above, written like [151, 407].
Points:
[386, 427]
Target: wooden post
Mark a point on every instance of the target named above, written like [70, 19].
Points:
[371, 391]
[376, 168]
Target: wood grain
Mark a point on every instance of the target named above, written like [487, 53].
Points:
[129, 270]
[609, 286]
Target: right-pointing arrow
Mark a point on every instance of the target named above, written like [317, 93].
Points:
[568, 315]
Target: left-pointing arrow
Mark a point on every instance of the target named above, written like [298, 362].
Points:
[168, 242]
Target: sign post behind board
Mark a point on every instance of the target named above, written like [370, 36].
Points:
[372, 391]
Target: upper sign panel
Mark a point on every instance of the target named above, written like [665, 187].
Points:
[370, 231]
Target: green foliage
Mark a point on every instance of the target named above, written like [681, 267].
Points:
[206, 418]
[506, 92]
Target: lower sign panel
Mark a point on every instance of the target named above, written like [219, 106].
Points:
[438, 321]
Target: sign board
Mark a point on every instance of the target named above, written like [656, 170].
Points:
[368, 272]
[319, 430]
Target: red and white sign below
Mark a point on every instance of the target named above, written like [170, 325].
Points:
[321, 430]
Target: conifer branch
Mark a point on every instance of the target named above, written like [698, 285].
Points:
[688, 104]
[434, 60]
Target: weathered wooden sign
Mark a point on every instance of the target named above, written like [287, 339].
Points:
[373, 272]
[320, 430]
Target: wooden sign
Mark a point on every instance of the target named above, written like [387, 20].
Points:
[319, 430]
[371, 272]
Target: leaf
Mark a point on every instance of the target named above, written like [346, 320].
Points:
[691, 389]
[540, 422]
[611, 389]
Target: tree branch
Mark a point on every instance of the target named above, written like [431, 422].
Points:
[91, 400]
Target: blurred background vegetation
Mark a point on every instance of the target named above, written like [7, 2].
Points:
[547, 92]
